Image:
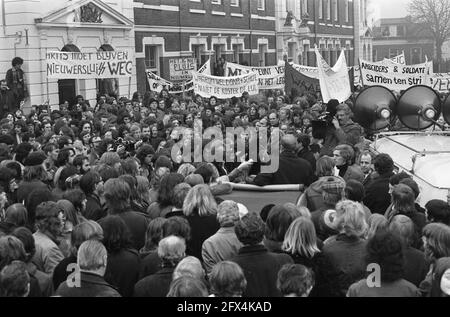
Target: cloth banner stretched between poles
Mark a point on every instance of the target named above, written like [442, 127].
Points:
[157, 84]
[225, 87]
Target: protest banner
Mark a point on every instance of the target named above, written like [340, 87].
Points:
[400, 59]
[312, 72]
[334, 81]
[394, 76]
[225, 87]
[157, 84]
[98, 65]
[270, 77]
[180, 69]
[440, 82]
[296, 83]
[206, 68]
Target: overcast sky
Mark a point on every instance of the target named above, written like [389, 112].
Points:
[392, 8]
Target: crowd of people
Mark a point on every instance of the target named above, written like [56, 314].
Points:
[94, 203]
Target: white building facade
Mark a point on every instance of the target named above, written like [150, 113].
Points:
[30, 28]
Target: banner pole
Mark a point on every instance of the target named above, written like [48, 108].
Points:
[129, 88]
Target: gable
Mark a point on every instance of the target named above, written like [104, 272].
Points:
[86, 13]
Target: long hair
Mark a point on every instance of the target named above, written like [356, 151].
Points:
[301, 238]
[201, 201]
[117, 194]
[37, 172]
[403, 199]
[350, 219]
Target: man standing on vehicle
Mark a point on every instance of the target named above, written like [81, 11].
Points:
[347, 131]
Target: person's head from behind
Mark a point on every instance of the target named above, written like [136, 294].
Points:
[11, 249]
[187, 286]
[117, 194]
[26, 237]
[180, 192]
[17, 215]
[350, 219]
[438, 211]
[168, 182]
[200, 200]
[265, 212]
[376, 224]
[436, 241]
[354, 191]
[91, 183]
[383, 164]
[189, 266]
[116, 235]
[171, 250]
[385, 249]
[295, 280]
[92, 257]
[206, 172]
[228, 213]
[88, 230]
[278, 222]
[250, 229]
[325, 166]
[403, 200]
[227, 279]
[14, 280]
[333, 191]
[177, 226]
[154, 233]
[404, 227]
[301, 238]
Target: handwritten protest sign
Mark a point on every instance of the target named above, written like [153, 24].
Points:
[334, 82]
[157, 84]
[180, 69]
[394, 76]
[78, 65]
[225, 87]
[297, 83]
[440, 82]
[270, 77]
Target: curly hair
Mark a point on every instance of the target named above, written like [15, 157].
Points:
[250, 229]
[386, 250]
[295, 279]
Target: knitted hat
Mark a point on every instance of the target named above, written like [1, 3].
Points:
[34, 159]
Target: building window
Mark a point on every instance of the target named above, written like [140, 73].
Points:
[261, 4]
[262, 54]
[394, 52]
[291, 51]
[152, 58]
[197, 54]
[346, 10]
[305, 54]
[321, 9]
[304, 7]
[385, 31]
[336, 11]
[328, 9]
[416, 55]
[219, 2]
[237, 53]
[234, 3]
[400, 30]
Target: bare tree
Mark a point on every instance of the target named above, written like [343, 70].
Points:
[435, 15]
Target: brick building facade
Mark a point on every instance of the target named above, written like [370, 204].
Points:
[241, 31]
[394, 36]
[329, 24]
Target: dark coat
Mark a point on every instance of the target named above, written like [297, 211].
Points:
[201, 229]
[156, 285]
[122, 270]
[261, 270]
[94, 210]
[60, 273]
[346, 256]
[377, 197]
[415, 265]
[25, 189]
[137, 224]
[292, 170]
[92, 285]
[6, 102]
[307, 155]
[150, 264]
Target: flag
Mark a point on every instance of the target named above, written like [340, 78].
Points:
[206, 68]
[297, 83]
[334, 82]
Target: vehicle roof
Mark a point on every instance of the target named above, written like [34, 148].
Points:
[430, 151]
